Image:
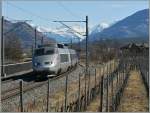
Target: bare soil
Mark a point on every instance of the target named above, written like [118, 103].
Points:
[134, 97]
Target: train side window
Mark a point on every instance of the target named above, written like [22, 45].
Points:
[71, 56]
[60, 46]
[49, 52]
[39, 52]
[64, 58]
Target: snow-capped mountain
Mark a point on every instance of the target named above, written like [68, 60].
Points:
[99, 27]
[24, 32]
[63, 34]
[133, 26]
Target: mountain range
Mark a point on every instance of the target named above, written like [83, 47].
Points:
[133, 26]
[24, 32]
[98, 28]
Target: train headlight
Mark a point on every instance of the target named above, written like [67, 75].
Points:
[49, 63]
[36, 64]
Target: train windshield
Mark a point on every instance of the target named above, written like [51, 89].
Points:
[49, 52]
[42, 51]
[39, 52]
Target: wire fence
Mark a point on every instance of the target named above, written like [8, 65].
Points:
[143, 65]
[75, 91]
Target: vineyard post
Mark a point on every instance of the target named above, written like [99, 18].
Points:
[85, 90]
[66, 87]
[118, 79]
[88, 95]
[95, 77]
[101, 94]
[107, 84]
[120, 85]
[124, 71]
[112, 75]
[21, 95]
[117, 85]
[79, 94]
[48, 95]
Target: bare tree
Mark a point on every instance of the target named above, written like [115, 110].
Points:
[13, 49]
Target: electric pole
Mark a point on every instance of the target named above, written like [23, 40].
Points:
[42, 40]
[86, 63]
[86, 60]
[71, 43]
[2, 48]
[86, 43]
[35, 38]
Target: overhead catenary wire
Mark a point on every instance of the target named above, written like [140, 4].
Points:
[69, 28]
[15, 20]
[42, 18]
[73, 31]
[29, 12]
[68, 10]
[13, 29]
[72, 14]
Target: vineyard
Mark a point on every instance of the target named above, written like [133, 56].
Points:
[105, 84]
[64, 56]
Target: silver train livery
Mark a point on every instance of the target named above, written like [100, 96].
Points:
[54, 58]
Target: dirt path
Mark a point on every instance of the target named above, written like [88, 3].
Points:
[94, 105]
[134, 97]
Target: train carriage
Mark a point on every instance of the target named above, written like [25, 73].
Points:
[54, 58]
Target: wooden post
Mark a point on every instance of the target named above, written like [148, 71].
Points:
[85, 75]
[21, 96]
[101, 94]
[112, 93]
[107, 90]
[79, 94]
[2, 48]
[95, 77]
[66, 87]
[47, 96]
[89, 79]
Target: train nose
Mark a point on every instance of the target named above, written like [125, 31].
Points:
[37, 64]
[48, 63]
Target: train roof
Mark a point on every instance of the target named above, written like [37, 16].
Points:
[58, 45]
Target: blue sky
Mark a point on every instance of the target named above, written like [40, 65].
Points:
[98, 11]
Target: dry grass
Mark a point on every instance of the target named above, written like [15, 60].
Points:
[59, 96]
[94, 105]
[135, 97]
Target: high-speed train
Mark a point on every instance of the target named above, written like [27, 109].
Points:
[54, 58]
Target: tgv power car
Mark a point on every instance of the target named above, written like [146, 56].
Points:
[54, 58]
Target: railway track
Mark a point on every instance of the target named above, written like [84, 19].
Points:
[11, 70]
[10, 93]
[5, 81]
